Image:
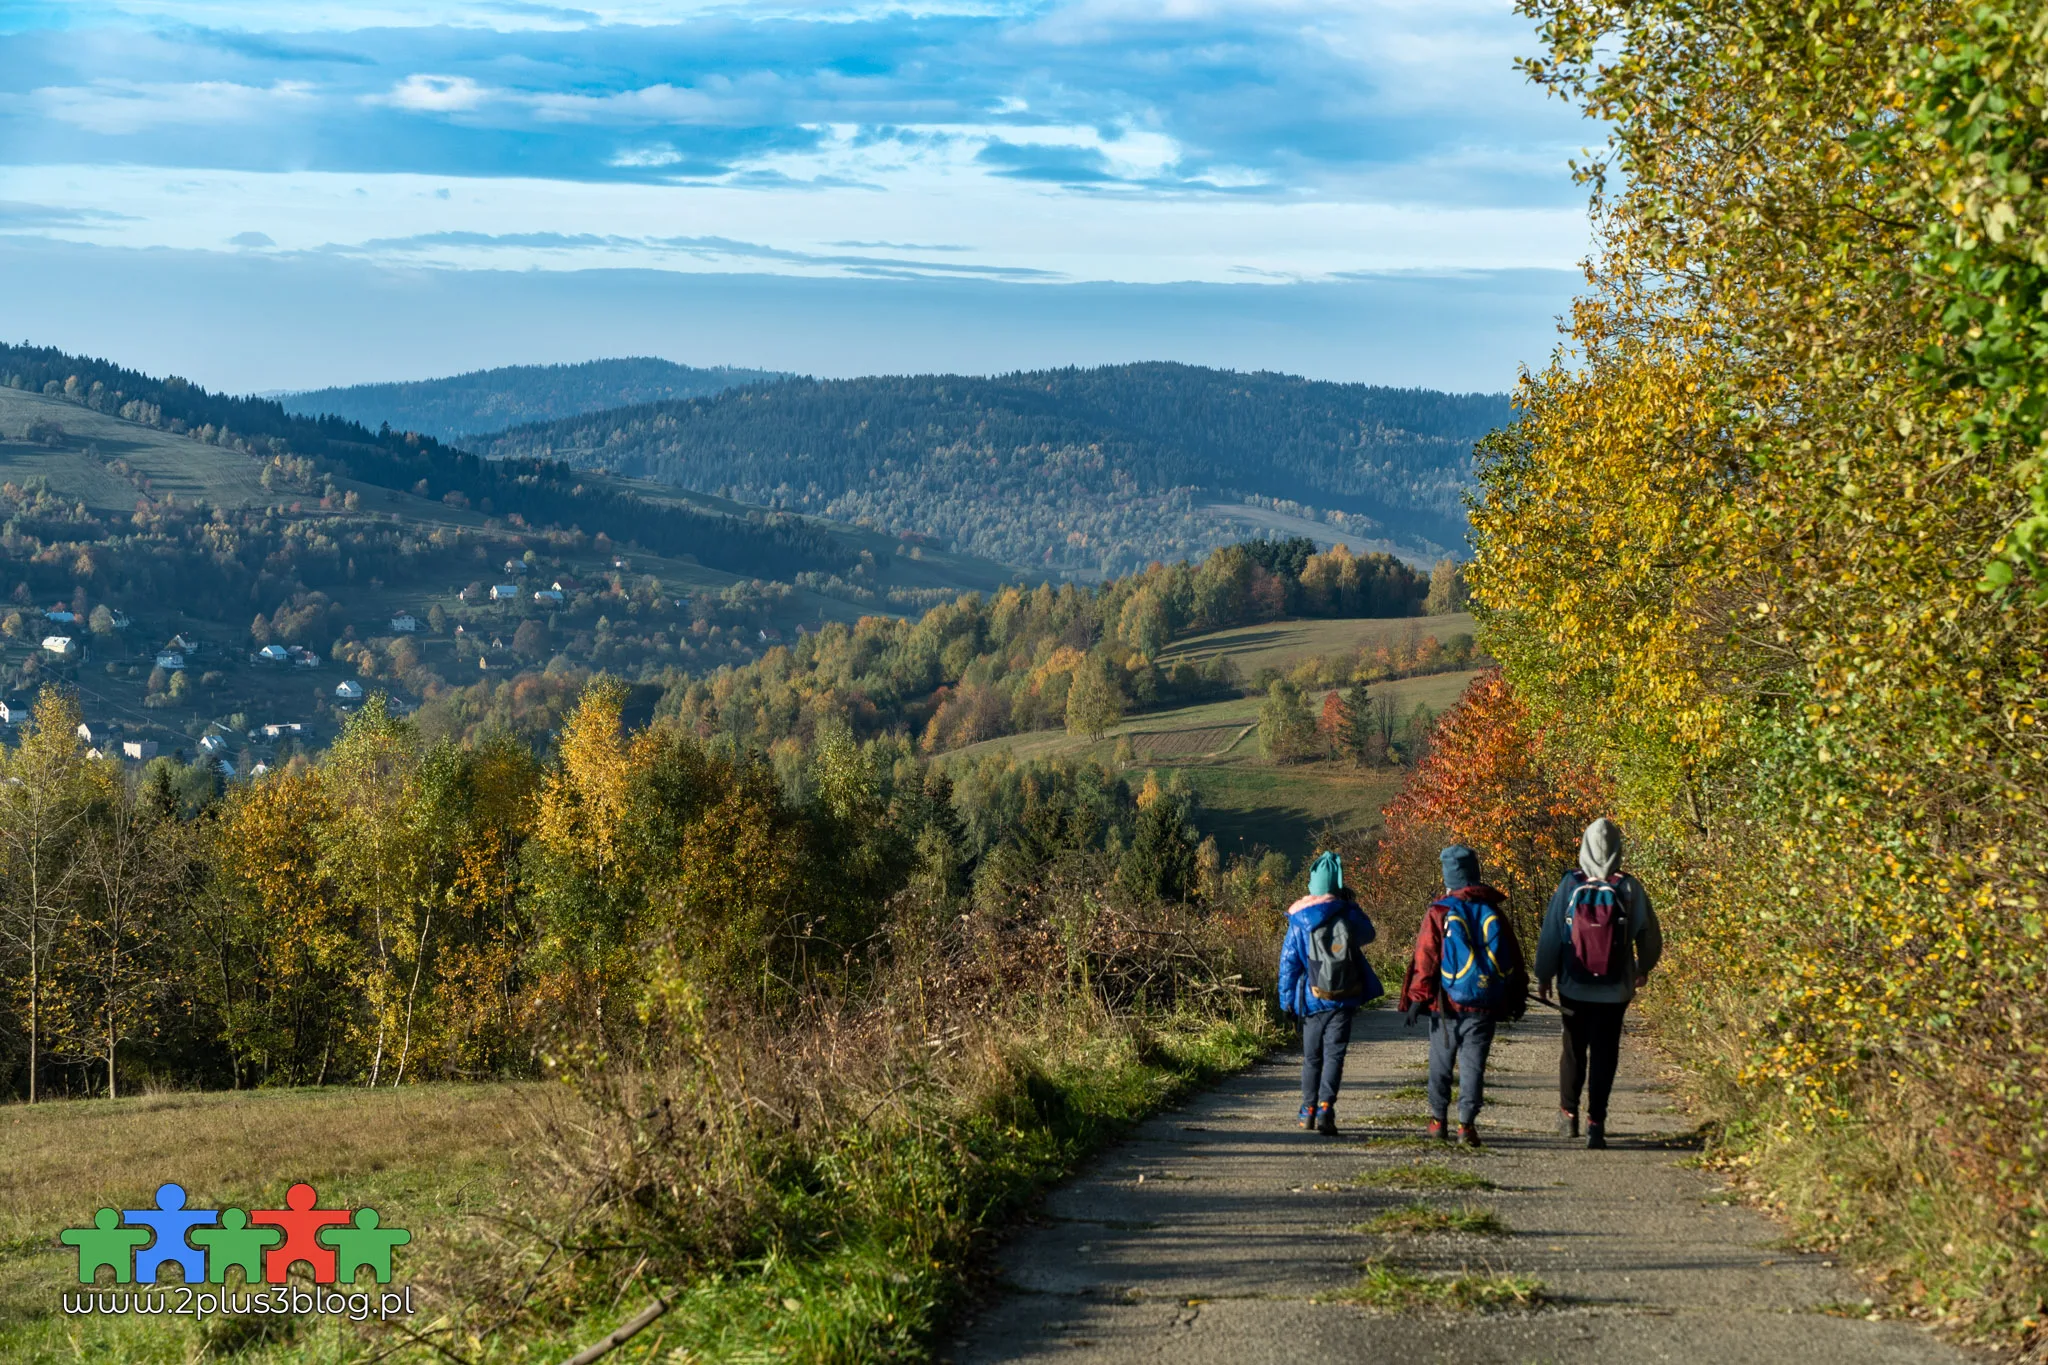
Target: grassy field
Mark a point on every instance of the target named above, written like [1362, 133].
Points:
[173, 464]
[1282, 644]
[1249, 802]
[446, 1164]
[1266, 521]
[429, 1158]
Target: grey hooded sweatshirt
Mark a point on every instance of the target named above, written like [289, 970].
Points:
[1599, 858]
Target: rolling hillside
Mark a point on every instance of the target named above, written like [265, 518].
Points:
[1084, 472]
[232, 545]
[461, 406]
[1249, 802]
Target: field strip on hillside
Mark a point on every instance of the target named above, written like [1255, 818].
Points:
[1198, 743]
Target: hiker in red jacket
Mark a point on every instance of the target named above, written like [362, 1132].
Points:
[1467, 975]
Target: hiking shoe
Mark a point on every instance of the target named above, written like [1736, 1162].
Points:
[1440, 1129]
[1468, 1135]
[1326, 1120]
[1596, 1137]
[1567, 1124]
[1307, 1117]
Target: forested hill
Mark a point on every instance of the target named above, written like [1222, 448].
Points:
[1086, 471]
[541, 493]
[463, 405]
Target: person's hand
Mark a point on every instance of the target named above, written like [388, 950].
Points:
[1543, 991]
[1415, 1011]
[1642, 980]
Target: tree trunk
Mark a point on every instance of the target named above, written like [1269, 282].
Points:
[419, 963]
[35, 981]
[34, 986]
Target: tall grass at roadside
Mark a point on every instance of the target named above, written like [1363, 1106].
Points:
[816, 1187]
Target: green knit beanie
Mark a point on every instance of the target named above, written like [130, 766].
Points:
[1326, 876]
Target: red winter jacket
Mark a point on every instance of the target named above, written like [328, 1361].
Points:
[1424, 969]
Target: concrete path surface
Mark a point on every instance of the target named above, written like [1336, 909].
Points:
[1219, 1232]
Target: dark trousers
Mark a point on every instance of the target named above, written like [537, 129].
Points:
[1458, 1042]
[1324, 1039]
[1592, 1036]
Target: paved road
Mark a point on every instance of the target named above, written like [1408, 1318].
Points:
[1214, 1233]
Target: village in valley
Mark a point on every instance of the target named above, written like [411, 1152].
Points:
[282, 697]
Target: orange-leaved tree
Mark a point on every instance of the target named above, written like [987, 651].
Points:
[1490, 782]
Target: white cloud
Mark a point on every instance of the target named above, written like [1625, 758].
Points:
[427, 94]
[662, 155]
[999, 226]
[120, 107]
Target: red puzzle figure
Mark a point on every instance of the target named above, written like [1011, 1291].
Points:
[301, 1223]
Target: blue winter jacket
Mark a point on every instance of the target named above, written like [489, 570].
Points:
[1306, 914]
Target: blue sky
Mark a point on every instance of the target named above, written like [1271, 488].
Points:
[1270, 159]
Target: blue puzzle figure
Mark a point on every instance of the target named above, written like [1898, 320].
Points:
[171, 1219]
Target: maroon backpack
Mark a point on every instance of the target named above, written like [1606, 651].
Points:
[1596, 919]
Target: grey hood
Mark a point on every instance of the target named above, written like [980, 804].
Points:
[1600, 850]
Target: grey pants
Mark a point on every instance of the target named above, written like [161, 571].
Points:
[1324, 1039]
[1462, 1040]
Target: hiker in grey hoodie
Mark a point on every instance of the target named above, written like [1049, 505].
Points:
[1600, 943]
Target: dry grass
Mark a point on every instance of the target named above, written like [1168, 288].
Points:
[422, 1154]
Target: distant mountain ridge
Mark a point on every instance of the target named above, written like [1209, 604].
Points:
[543, 493]
[464, 405]
[1091, 472]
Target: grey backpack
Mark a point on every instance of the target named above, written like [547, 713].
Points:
[1336, 967]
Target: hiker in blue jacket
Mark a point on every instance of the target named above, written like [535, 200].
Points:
[1324, 978]
[1600, 943]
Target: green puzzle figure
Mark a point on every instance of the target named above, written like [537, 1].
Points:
[234, 1242]
[365, 1244]
[106, 1242]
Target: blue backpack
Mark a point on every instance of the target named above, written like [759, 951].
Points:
[1472, 972]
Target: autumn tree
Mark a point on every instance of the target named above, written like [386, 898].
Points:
[45, 793]
[1488, 782]
[1334, 720]
[1446, 589]
[285, 967]
[370, 854]
[138, 864]
[1287, 728]
[1095, 700]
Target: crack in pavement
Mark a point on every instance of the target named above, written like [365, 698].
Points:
[1642, 1259]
